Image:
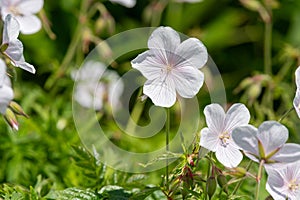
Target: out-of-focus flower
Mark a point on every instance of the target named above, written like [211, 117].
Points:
[217, 136]
[284, 181]
[171, 66]
[95, 85]
[126, 3]
[266, 143]
[6, 92]
[14, 50]
[296, 101]
[188, 1]
[23, 11]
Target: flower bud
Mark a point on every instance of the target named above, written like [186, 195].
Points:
[11, 119]
[17, 109]
[253, 92]
[253, 5]
[222, 181]
[238, 172]
[211, 186]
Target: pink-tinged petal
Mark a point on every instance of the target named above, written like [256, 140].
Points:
[245, 138]
[161, 91]
[272, 135]
[29, 24]
[2, 72]
[187, 80]
[288, 153]
[215, 116]
[11, 29]
[30, 6]
[229, 156]
[192, 53]
[297, 77]
[164, 40]
[296, 102]
[26, 66]
[209, 139]
[126, 3]
[149, 65]
[237, 115]
[14, 50]
[6, 95]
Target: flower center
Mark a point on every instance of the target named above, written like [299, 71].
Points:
[293, 186]
[224, 137]
[168, 68]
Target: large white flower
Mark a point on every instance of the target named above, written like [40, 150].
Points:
[266, 143]
[126, 3]
[171, 66]
[14, 49]
[6, 92]
[95, 85]
[296, 101]
[23, 11]
[284, 181]
[217, 136]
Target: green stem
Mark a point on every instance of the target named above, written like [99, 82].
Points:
[268, 48]
[286, 114]
[167, 147]
[240, 182]
[259, 174]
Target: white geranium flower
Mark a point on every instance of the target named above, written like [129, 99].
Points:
[266, 143]
[15, 47]
[217, 136]
[90, 92]
[296, 101]
[23, 11]
[284, 181]
[6, 92]
[171, 66]
[126, 3]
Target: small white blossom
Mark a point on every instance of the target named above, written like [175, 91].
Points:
[217, 136]
[171, 66]
[95, 85]
[266, 143]
[296, 101]
[284, 181]
[126, 3]
[15, 47]
[23, 11]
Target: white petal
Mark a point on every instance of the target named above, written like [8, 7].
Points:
[229, 156]
[149, 64]
[164, 40]
[2, 72]
[187, 80]
[215, 116]
[126, 3]
[273, 192]
[245, 138]
[14, 50]
[11, 29]
[288, 153]
[297, 75]
[296, 102]
[26, 66]
[161, 91]
[237, 115]
[29, 24]
[209, 140]
[6, 95]
[191, 52]
[272, 135]
[30, 6]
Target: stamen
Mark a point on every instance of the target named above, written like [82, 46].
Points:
[224, 137]
[293, 186]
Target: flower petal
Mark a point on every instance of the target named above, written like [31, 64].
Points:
[274, 183]
[30, 7]
[229, 156]
[126, 3]
[209, 140]
[191, 52]
[188, 81]
[237, 115]
[148, 64]
[245, 138]
[272, 135]
[161, 91]
[2, 72]
[214, 115]
[296, 102]
[6, 95]
[26, 66]
[11, 29]
[297, 77]
[29, 24]
[14, 50]
[164, 40]
[288, 153]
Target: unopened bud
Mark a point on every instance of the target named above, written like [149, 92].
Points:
[11, 119]
[222, 181]
[211, 186]
[238, 172]
[17, 109]
[253, 5]
[254, 91]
